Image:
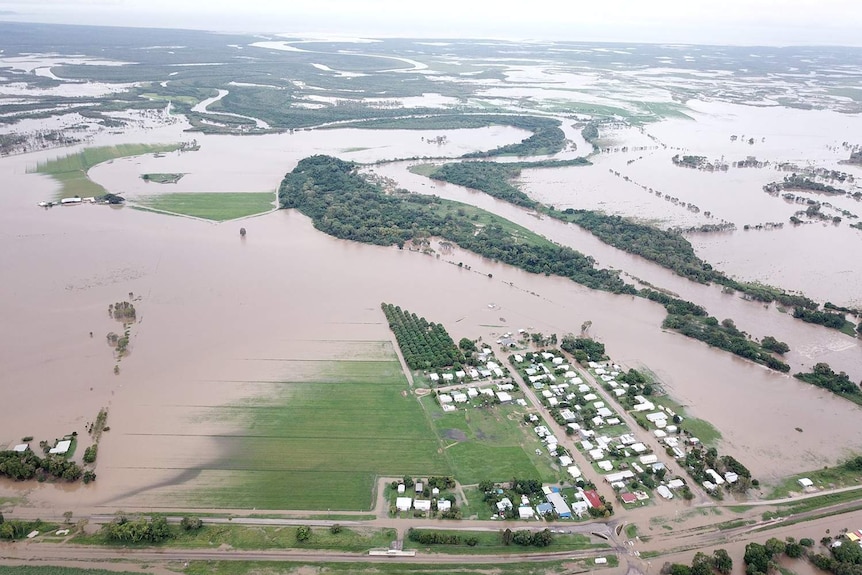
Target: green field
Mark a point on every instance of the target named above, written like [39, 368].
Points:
[489, 443]
[71, 171]
[700, 428]
[826, 478]
[212, 206]
[319, 439]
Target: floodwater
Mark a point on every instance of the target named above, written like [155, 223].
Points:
[214, 311]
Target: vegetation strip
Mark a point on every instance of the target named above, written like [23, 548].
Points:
[216, 206]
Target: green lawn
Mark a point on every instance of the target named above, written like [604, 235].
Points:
[320, 441]
[71, 171]
[159, 178]
[700, 428]
[489, 443]
[212, 206]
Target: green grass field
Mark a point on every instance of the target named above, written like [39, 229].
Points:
[488, 444]
[71, 171]
[828, 478]
[212, 206]
[320, 441]
[700, 428]
[159, 178]
[484, 218]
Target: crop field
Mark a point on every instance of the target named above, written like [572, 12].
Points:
[488, 443]
[218, 207]
[320, 441]
[71, 171]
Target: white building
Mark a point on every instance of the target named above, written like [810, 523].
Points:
[403, 503]
[422, 505]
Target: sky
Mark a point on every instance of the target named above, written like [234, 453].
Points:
[738, 22]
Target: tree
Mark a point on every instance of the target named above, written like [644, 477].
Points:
[2, 519]
[242, 232]
[67, 517]
[336, 529]
[722, 562]
[303, 533]
[507, 537]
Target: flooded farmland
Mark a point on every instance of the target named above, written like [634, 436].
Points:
[222, 318]
[214, 311]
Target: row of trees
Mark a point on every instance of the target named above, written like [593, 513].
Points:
[425, 345]
[824, 318]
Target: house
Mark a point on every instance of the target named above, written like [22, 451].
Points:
[676, 484]
[448, 407]
[560, 506]
[604, 412]
[567, 414]
[649, 459]
[579, 508]
[619, 476]
[459, 397]
[21, 448]
[420, 487]
[731, 477]
[504, 397]
[497, 372]
[544, 508]
[460, 374]
[716, 478]
[591, 397]
[444, 505]
[593, 499]
[434, 377]
[805, 482]
[444, 398]
[664, 491]
[638, 447]
[597, 454]
[401, 488]
[628, 498]
[526, 512]
[62, 447]
[448, 377]
[605, 465]
[474, 374]
[660, 434]
[435, 492]
[403, 503]
[565, 461]
[574, 471]
[471, 392]
[422, 505]
[519, 358]
[504, 504]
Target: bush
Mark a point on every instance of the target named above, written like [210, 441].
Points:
[90, 454]
[336, 529]
[303, 533]
[191, 523]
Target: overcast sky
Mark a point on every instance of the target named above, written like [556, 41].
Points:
[752, 22]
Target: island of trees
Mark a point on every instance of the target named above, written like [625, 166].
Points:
[343, 204]
[547, 139]
[838, 383]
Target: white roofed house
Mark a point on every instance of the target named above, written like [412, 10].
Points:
[403, 503]
[422, 505]
[459, 397]
[444, 505]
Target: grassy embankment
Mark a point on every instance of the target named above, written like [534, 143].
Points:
[490, 543]
[320, 436]
[258, 537]
[218, 206]
[700, 428]
[71, 171]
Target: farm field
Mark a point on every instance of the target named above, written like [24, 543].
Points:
[71, 171]
[319, 439]
[488, 443]
[218, 207]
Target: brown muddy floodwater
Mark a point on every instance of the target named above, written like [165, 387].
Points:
[214, 310]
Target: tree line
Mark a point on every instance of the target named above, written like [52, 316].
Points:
[822, 375]
[342, 203]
